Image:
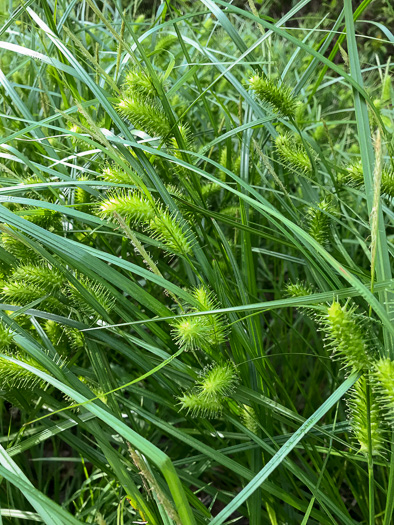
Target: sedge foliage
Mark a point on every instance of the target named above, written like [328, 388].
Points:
[196, 263]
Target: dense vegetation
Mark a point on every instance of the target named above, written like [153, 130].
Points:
[196, 254]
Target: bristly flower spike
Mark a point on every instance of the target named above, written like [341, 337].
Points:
[217, 381]
[211, 390]
[132, 207]
[278, 97]
[145, 115]
[191, 333]
[354, 177]
[319, 221]
[347, 337]
[198, 407]
[208, 302]
[166, 228]
[293, 154]
[361, 425]
[383, 385]
[139, 84]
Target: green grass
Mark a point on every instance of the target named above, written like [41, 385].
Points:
[196, 242]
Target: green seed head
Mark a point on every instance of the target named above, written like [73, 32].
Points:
[293, 154]
[111, 173]
[383, 382]
[191, 332]
[6, 337]
[199, 407]
[319, 221]
[359, 404]
[347, 336]
[131, 207]
[298, 289]
[217, 381]
[278, 97]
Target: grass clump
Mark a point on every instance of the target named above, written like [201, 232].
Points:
[180, 183]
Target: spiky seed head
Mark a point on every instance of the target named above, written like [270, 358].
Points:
[139, 84]
[249, 418]
[347, 336]
[6, 337]
[278, 97]
[81, 196]
[75, 338]
[361, 426]
[15, 376]
[174, 234]
[133, 207]
[99, 294]
[217, 381]
[21, 293]
[383, 384]
[293, 154]
[191, 333]
[319, 221]
[44, 276]
[355, 177]
[146, 116]
[218, 329]
[112, 173]
[298, 289]
[196, 406]
[17, 248]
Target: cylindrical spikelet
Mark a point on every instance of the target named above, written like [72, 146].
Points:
[387, 183]
[217, 381]
[14, 376]
[163, 225]
[298, 289]
[184, 131]
[347, 337]
[17, 248]
[97, 391]
[67, 337]
[36, 194]
[75, 338]
[146, 116]
[293, 154]
[198, 407]
[112, 173]
[278, 97]
[6, 337]
[211, 390]
[174, 235]
[204, 332]
[249, 418]
[383, 384]
[132, 207]
[139, 84]
[98, 293]
[208, 302]
[361, 401]
[21, 293]
[319, 221]
[48, 219]
[165, 43]
[354, 176]
[191, 333]
[41, 275]
[81, 196]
